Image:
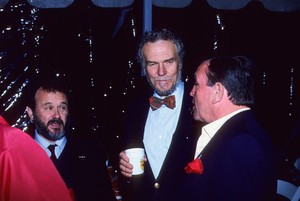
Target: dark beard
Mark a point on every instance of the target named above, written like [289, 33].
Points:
[43, 130]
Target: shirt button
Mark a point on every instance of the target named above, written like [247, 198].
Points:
[156, 185]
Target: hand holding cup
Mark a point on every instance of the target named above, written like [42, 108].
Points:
[136, 158]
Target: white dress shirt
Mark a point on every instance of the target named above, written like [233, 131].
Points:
[159, 129]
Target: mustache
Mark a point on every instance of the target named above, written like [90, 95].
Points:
[162, 78]
[55, 120]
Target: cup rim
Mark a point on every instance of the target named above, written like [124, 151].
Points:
[134, 150]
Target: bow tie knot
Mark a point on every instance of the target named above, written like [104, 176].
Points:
[156, 103]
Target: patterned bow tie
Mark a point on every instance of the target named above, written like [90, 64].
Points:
[156, 103]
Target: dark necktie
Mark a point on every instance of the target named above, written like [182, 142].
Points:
[51, 147]
[156, 103]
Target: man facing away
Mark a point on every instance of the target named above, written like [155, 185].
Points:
[27, 173]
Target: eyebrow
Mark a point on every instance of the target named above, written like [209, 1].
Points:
[167, 60]
[62, 103]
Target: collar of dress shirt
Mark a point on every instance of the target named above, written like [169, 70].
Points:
[208, 131]
[214, 126]
[45, 143]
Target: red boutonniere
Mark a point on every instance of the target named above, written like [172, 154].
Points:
[196, 166]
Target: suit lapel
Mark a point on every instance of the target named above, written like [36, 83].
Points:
[226, 131]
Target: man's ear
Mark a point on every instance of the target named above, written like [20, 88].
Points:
[218, 92]
[30, 113]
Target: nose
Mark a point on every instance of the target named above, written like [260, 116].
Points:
[161, 70]
[56, 113]
[192, 93]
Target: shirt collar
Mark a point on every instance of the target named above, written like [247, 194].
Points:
[211, 128]
[45, 143]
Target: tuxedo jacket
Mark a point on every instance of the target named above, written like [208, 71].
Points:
[145, 187]
[238, 164]
[82, 165]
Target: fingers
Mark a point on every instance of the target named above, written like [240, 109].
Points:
[123, 156]
[124, 165]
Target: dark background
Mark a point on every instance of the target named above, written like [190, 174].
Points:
[85, 44]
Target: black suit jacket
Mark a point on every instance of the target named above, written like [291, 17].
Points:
[181, 151]
[238, 164]
[82, 165]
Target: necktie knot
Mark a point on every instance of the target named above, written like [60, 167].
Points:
[156, 103]
[51, 147]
